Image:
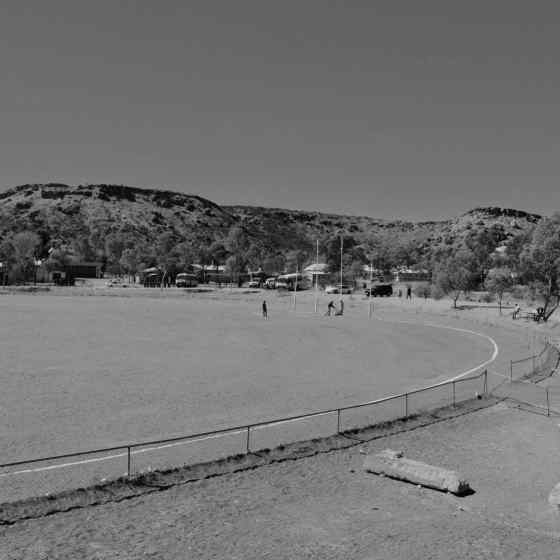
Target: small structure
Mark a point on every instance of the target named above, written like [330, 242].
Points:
[211, 273]
[66, 275]
[411, 275]
[316, 273]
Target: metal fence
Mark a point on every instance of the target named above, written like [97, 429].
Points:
[530, 382]
[49, 475]
[536, 366]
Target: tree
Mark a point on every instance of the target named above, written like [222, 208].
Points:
[25, 246]
[254, 256]
[273, 264]
[482, 244]
[378, 251]
[186, 255]
[357, 271]
[516, 247]
[218, 253]
[296, 260]
[540, 263]
[6, 258]
[59, 258]
[235, 265]
[498, 280]
[237, 241]
[457, 274]
[129, 261]
[114, 246]
[81, 247]
[166, 258]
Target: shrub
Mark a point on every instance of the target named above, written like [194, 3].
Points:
[486, 297]
[422, 290]
[523, 293]
[436, 292]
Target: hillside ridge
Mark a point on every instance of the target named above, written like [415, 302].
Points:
[84, 216]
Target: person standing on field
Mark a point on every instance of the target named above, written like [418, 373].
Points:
[264, 310]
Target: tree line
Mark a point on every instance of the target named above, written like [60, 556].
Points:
[484, 258]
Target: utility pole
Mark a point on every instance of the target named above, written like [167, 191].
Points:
[317, 277]
[341, 248]
[370, 287]
[295, 287]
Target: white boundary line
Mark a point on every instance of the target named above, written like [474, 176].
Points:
[476, 333]
[187, 441]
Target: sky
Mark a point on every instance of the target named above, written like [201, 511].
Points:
[391, 109]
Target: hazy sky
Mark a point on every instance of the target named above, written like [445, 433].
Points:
[415, 109]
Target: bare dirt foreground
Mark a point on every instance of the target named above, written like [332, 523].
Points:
[326, 506]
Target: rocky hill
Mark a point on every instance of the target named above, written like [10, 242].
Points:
[60, 213]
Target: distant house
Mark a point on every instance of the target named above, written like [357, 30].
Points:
[258, 275]
[211, 273]
[376, 273]
[68, 273]
[85, 270]
[411, 275]
[316, 269]
[317, 273]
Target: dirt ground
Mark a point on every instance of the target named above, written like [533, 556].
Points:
[327, 506]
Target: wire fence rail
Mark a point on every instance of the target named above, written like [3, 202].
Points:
[531, 366]
[48, 475]
[524, 384]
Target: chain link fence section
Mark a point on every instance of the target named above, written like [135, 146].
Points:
[524, 384]
[536, 367]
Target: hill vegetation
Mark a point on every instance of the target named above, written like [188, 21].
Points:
[126, 229]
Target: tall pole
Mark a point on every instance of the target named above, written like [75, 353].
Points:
[370, 286]
[341, 247]
[295, 287]
[316, 276]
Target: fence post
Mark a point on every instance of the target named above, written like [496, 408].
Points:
[547, 403]
[406, 405]
[510, 370]
[128, 462]
[338, 421]
[453, 394]
[534, 370]
[248, 439]
[485, 382]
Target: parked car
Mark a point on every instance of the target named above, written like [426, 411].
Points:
[115, 283]
[344, 289]
[254, 284]
[280, 285]
[380, 290]
[185, 280]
